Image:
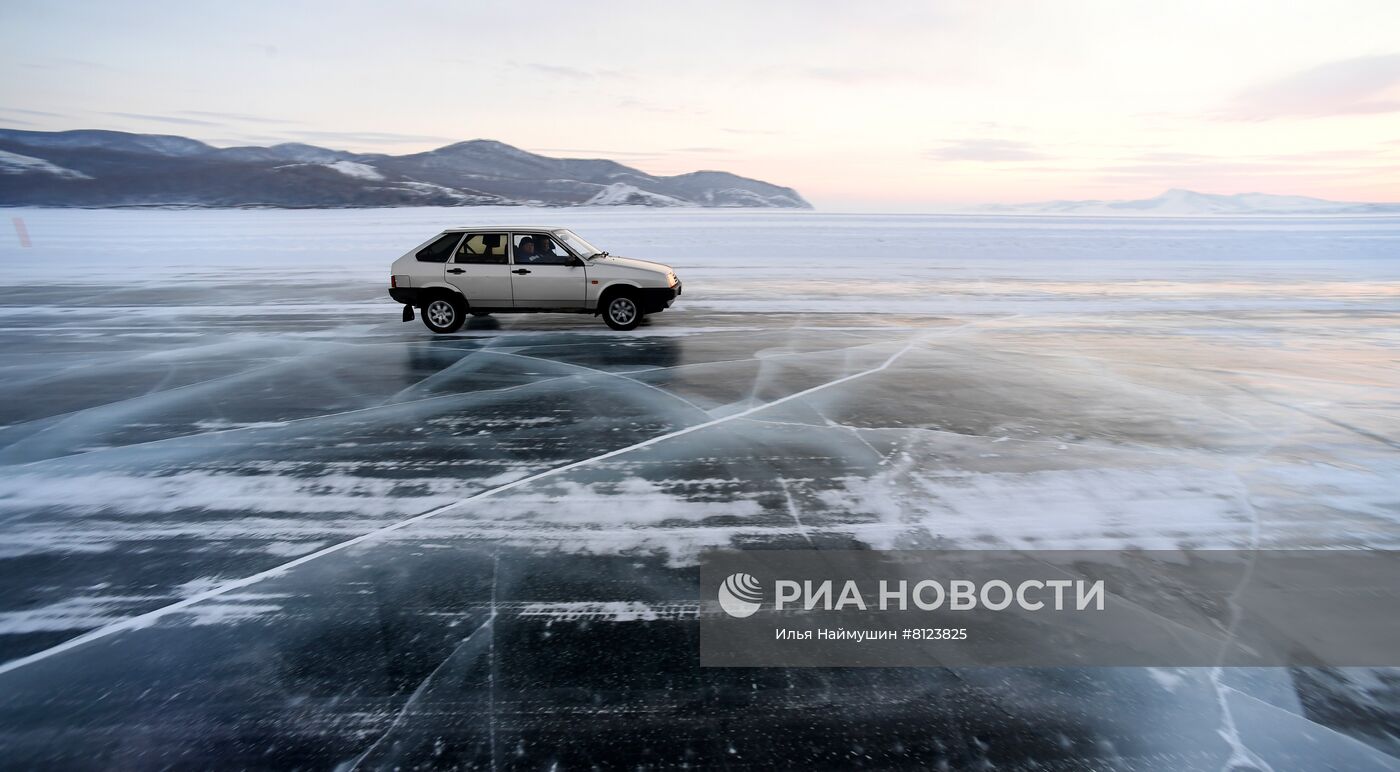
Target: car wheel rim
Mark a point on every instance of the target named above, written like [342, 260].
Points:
[440, 313]
[622, 310]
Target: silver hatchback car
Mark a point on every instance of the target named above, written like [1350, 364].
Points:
[516, 269]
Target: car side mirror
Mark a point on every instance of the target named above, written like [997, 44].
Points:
[574, 262]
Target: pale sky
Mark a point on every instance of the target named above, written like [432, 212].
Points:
[860, 106]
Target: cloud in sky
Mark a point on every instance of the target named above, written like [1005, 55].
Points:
[1362, 85]
[642, 105]
[1290, 173]
[845, 74]
[353, 138]
[564, 71]
[987, 150]
[175, 119]
[35, 113]
[225, 117]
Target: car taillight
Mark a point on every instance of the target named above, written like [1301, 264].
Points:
[393, 281]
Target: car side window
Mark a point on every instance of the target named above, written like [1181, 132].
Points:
[539, 249]
[440, 249]
[483, 248]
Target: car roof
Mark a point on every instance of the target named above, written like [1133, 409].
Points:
[500, 228]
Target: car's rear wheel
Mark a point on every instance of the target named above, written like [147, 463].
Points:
[443, 314]
[622, 312]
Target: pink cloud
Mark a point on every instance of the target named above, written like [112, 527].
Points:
[1366, 84]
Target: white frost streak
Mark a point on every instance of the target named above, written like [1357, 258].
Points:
[608, 611]
[86, 612]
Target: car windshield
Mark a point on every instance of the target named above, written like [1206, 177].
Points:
[577, 244]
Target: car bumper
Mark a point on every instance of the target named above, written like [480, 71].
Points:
[405, 295]
[657, 299]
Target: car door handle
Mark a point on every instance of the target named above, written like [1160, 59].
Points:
[455, 270]
[521, 271]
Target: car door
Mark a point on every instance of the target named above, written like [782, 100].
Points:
[546, 275]
[480, 268]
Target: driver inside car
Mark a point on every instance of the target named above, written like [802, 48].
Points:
[544, 250]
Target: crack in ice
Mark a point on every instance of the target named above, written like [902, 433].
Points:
[150, 617]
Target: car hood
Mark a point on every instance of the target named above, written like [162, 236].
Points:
[631, 262]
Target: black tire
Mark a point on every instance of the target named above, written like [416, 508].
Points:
[622, 311]
[444, 313]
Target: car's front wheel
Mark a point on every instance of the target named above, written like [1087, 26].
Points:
[622, 312]
[443, 314]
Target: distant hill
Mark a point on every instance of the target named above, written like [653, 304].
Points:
[93, 168]
[1189, 202]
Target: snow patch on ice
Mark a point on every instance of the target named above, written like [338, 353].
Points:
[291, 549]
[1157, 508]
[228, 609]
[76, 613]
[205, 491]
[99, 511]
[633, 500]
[1166, 678]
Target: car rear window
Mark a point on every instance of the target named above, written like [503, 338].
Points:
[439, 250]
[488, 248]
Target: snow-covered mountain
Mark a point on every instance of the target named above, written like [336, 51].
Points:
[1177, 202]
[92, 168]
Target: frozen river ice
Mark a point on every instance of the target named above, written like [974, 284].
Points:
[251, 519]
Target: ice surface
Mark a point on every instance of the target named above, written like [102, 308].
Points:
[252, 519]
